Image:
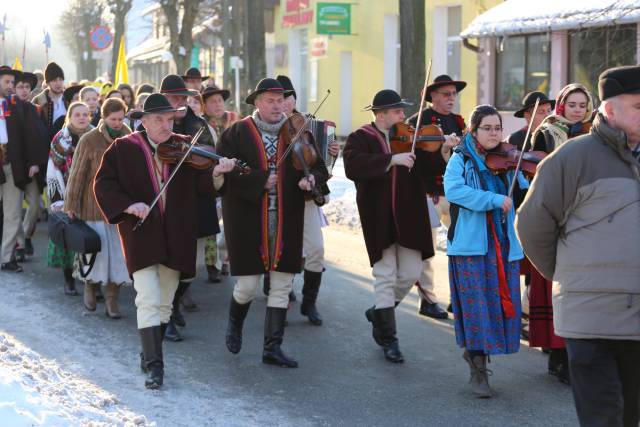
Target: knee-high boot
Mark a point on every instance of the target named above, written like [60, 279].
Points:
[152, 362]
[237, 314]
[273, 335]
[310, 291]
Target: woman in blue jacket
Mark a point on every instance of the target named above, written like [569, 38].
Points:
[483, 249]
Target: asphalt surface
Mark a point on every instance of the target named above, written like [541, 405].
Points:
[343, 378]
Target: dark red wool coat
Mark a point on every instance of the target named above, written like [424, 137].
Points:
[392, 204]
[245, 201]
[169, 237]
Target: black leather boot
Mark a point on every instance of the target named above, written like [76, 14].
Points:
[237, 314]
[310, 290]
[213, 274]
[28, 247]
[375, 330]
[176, 314]
[151, 360]
[385, 320]
[432, 309]
[273, 333]
[171, 333]
[69, 282]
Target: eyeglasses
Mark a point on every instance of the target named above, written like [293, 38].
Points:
[447, 94]
[491, 128]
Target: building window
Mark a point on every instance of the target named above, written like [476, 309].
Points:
[454, 41]
[523, 65]
[594, 50]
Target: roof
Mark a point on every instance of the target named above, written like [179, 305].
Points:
[527, 16]
[148, 49]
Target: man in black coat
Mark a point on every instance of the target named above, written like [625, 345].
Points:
[19, 162]
[545, 107]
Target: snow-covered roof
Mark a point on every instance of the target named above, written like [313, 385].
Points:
[531, 16]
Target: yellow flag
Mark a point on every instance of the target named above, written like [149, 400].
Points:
[122, 71]
[17, 65]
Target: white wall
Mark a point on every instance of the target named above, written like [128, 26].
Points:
[391, 52]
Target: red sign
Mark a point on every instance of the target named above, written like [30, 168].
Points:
[296, 5]
[295, 19]
[100, 37]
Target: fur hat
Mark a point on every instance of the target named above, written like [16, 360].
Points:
[52, 72]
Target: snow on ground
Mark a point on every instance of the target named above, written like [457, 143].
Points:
[343, 211]
[35, 391]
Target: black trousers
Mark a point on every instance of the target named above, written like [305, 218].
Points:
[605, 378]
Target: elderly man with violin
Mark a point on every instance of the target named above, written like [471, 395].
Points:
[263, 210]
[442, 94]
[313, 240]
[154, 204]
[390, 173]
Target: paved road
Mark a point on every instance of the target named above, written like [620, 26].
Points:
[343, 378]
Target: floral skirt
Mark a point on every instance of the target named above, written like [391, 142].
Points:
[57, 257]
[480, 323]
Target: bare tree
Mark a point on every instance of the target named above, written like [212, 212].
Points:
[254, 31]
[119, 10]
[412, 49]
[75, 23]
[181, 17]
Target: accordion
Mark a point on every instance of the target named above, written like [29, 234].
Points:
[324, 132]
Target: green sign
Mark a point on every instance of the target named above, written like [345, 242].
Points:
[333, 18]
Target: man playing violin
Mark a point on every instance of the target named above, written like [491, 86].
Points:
[163, 249]
[395, 221]
[313, 241]
[442, 94]
[263, 213]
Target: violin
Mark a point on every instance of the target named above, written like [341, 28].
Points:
[201, 157]
[301, 142]
[505, 157]
[430, 138]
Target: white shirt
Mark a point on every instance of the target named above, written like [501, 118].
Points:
[4, 138]
[58, 108]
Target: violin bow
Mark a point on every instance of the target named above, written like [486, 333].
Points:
[175, 170]
[422, 101]
[524, 145]
[302, 128]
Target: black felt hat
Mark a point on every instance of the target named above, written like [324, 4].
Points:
[5, 69]
[287, 85]
[529, 101]
[266, 85]
[174, 85]
[27, 77]
[385, 99]
[194, 73]
[618, 81]
[444, 80]
[156, 103]
[215, 90]
[70, 92]
[52, 72]
[145, 88]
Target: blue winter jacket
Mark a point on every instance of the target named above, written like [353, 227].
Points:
[469, 226]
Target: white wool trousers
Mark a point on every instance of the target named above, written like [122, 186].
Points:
[155, 287]
[11, 197]
[33, 196]
[395, 274]
[313, 242]
[246, 288]
[427, 276]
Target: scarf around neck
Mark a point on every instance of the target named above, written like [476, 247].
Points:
[269, 128]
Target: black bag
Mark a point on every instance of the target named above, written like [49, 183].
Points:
[75, 235]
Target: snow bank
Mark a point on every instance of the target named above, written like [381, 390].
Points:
[35, 391]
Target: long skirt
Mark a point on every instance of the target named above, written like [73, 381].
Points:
[480, 323]
[541, 333]
[58, 257]
[109, 266]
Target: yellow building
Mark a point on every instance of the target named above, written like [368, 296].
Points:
[355, 65]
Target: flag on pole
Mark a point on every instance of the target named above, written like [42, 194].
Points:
[47, 40]
[122, 71]
[17, 65]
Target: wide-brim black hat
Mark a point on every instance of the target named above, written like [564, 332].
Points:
[156, 103]
[444, 80]
[215, 90]
[5, 69]
[266, 85]
[530, 100]
[618, 81]
[194, 73]
[174, 85]
[386, 99]
[27, 77]
[70, 92]
[286, 83]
